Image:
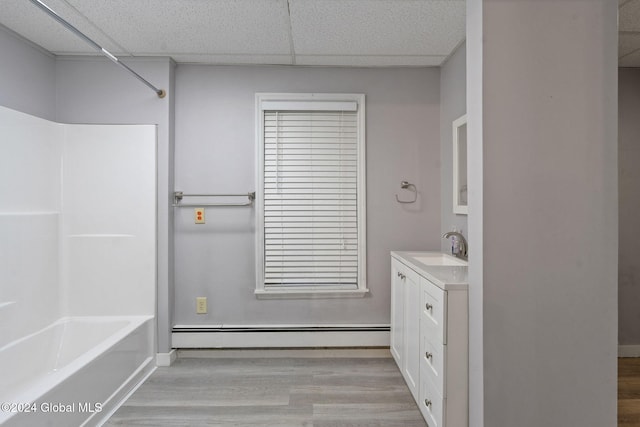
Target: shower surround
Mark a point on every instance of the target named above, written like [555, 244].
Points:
[77, 267]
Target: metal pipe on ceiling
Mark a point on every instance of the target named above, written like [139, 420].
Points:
[160, 92]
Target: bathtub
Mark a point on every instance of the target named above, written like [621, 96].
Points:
[74, 372]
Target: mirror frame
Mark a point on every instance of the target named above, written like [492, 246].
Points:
[457, 124]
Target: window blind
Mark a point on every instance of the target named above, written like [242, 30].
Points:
[310, 199]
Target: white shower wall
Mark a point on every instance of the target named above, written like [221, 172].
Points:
[77, 221]
[109, 220]
[30, 205]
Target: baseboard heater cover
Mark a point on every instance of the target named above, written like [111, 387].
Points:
[204, 329]
[221, 336]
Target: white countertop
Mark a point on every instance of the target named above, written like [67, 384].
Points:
[446, 277]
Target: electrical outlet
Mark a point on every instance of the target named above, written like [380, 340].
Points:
[198, 215]
[201, 305]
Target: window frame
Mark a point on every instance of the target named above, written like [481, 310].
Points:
[312, 102]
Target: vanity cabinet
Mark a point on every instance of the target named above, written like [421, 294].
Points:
[429, 338]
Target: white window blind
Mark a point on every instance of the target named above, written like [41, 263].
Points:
[310, 195]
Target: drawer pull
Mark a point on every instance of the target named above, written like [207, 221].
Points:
[427, 403]
[429, 306]
[428, 355]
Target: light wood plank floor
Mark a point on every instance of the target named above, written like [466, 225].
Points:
[281, 391]
[298, 391]
[629, 392]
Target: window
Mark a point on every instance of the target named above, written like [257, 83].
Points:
[311, 194]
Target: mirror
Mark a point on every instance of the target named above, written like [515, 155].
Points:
[460, 165]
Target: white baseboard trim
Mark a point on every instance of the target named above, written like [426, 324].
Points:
[629, 351]
[280, 337]
[166, 359]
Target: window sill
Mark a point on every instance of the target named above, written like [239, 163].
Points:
[309, 293]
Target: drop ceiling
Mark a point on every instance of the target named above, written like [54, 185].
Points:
[287, 32]
[629, 33]
[300, 32]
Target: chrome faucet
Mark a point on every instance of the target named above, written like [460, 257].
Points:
[462, 253]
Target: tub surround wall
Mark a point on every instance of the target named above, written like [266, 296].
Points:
[30, 169]
[95, 91]
[109, 221]
[78, 228]
[215, 153]
[453, 104]
[77, 219]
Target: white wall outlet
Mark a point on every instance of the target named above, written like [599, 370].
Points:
[198, 215]
[201, 305]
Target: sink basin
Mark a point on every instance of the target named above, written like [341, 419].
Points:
[440, 259]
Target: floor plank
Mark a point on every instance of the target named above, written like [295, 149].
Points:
[284, 391]
[629, 392]
[306, 391]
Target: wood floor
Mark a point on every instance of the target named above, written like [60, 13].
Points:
[629, 392]
[204, 389]
[282, 391]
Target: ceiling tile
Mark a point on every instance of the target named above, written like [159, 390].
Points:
[629, 16]
[627, 43]
[35, 25]
[159, 27]
[631, 60]
[370, 60]
[30, 22]
[377, 27]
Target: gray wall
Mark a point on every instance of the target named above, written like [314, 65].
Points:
[629, 200]
[215, 152]
[475, 117]
[27, 76]
[550, 217]
[94, 90]
[453, 104]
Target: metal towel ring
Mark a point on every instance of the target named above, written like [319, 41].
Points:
[406, 185]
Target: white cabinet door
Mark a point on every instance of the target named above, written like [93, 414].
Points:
[397, 313]
[411, 365]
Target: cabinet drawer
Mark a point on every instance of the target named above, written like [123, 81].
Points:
[431, 403]
[432, 362]
[433, 306]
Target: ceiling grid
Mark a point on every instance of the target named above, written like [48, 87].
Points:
[358, 33]
[292, 48]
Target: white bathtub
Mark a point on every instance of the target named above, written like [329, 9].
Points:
[75, 371]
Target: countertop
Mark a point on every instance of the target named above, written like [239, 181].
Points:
[446, 277]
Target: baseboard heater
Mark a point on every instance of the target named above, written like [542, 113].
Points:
[279, 336]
